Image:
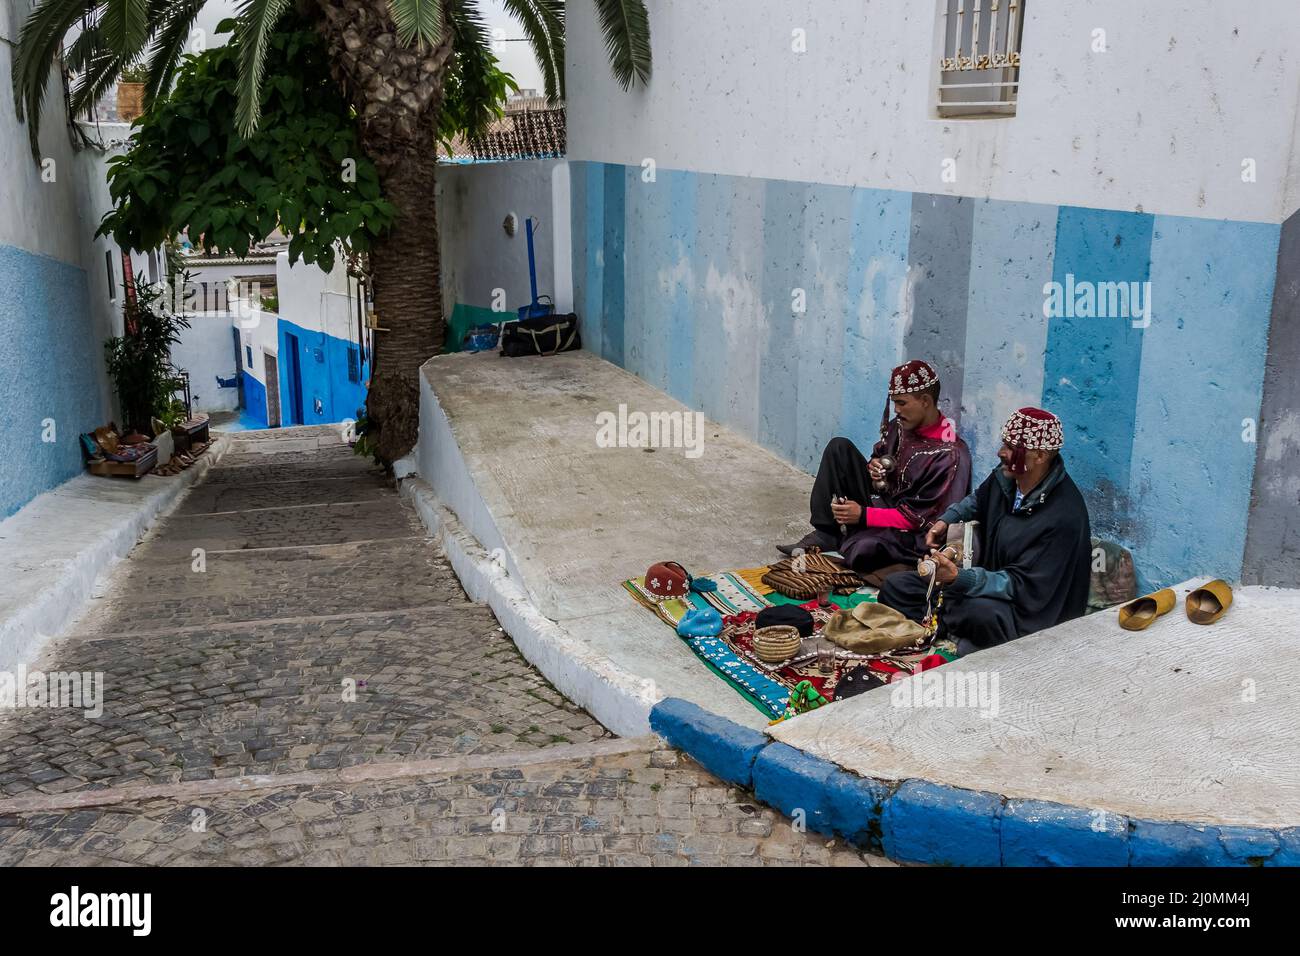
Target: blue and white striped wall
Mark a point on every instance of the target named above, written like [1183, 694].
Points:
[51, 374]
[689, 281]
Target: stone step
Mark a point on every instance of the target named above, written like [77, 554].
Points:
[253, 496]
[271, 699]
[257, 472]
[379, 576]
[179, 535]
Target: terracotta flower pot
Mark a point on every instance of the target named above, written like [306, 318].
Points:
[130, 101]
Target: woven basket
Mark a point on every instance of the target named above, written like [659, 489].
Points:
[777, 643]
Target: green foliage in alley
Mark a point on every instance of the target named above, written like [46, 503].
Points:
[303, 170]
[140, 361]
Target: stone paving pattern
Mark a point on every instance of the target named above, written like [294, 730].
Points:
[645, 809]
[240, 669]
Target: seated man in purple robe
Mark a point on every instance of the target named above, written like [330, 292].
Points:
[876, 513]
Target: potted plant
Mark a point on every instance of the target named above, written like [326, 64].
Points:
[130, 93]
[139, 363]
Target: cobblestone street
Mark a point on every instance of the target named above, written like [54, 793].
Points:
[293, 674]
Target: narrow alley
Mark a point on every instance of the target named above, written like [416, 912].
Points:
[306, 682]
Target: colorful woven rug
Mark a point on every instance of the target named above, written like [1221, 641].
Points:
[739, 598]
[733, 596]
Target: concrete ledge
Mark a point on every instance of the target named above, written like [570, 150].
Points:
[618, 699]
[58, 545]
[510, 448]
[1094, 731]
[923, 822]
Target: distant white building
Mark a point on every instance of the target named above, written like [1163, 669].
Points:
[309, 362]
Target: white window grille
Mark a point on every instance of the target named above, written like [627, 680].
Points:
[979, 74]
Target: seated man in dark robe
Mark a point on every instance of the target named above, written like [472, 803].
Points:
[1033, 546]
[917, 469]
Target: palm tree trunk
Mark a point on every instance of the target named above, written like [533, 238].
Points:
[397, 93]
[408, 302]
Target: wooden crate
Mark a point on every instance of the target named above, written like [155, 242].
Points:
[191, 433]
[131, 469]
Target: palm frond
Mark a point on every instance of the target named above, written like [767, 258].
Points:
[125, 25]
[82, 52]
[626, 26]
[543, 23]
[101, 69]
[38, 43]
[257, 20]
[474, 66]
[169, 45]
[417, 18]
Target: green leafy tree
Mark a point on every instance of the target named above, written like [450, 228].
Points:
[190, 166]
[392, 60]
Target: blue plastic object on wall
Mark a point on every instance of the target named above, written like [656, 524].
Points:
[535, 309]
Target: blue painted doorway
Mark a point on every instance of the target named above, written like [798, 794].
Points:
[293, 372]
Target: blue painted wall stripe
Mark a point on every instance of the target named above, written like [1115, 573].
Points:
[579, 245]
[818, 344]
[1202, 354]
[592, 294]
[715, 209]
[648, 257]
[873, 334]
[611, 272]
[938, 257]
[784, 269]
[680, 286]
[733, 281]
[1013, 247]
[713, 260]
[1091, 370]
[51, 369]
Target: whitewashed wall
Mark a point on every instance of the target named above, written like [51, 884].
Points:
[1159, 123]
[260, 330]
[478, 256]
[309, 296]
[36, 215]
[90, 167]
[206, 351]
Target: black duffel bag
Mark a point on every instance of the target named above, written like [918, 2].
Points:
[543, 336]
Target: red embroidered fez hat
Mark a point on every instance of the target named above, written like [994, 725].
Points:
[1031, 428]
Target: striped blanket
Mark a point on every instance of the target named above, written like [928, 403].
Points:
[740, 595]
[738, 592]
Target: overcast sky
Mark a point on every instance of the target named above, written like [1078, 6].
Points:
[516, 57]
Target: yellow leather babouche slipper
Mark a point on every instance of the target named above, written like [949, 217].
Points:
[1138, 615]
[1209, 602]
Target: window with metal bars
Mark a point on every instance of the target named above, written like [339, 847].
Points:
[979, 75]
[354, 364]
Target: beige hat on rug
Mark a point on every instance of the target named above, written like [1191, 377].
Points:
[872, 628]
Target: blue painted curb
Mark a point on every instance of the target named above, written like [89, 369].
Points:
[819, 794]
[926, 822]
[723, 747]
[1080, 837]
[923, 822]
